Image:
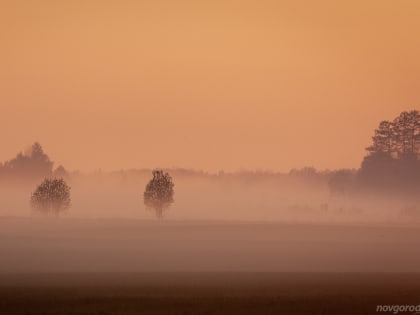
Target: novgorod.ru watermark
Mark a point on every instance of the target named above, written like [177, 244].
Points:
[396, 309]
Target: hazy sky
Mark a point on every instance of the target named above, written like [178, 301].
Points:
[204, 84]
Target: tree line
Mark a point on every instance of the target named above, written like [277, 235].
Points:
[30, 166]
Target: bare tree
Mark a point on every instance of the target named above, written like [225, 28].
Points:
[52, 195]
[159, 193]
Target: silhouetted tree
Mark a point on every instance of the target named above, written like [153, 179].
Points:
[393, 163]
[399, 138]
[383, 139]
[159, 193]
[52, 195]
[407, 127]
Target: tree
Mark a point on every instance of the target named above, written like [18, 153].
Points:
[383, 139]
[407, 134]
[159, 193]
[52, 195]
[399, 139]
[393, 162]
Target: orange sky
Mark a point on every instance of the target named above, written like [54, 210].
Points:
[204, 84]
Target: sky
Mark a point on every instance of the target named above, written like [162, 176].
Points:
[212, 85]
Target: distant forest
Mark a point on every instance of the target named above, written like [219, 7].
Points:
[30, 166]
[392, 165]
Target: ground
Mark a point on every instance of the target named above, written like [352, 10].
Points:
[126, 266]
[206, 293]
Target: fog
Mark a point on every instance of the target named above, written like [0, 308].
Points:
[245, 196]
[143, 220]
[245, 221]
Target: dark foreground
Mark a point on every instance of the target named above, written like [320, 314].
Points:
[207, 293]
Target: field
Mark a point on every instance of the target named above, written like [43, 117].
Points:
[126, 266]
[206, 293]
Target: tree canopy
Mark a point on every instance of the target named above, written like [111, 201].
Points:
[51, 196]
[399, 138]
[159, 192]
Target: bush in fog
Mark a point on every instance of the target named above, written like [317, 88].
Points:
[159, 193]
[52, 195]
